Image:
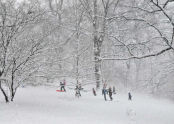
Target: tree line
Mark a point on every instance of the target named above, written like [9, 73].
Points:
[82, 39]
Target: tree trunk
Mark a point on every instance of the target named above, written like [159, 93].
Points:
[97, 49]
[97, 61]
[12, 96]
[3, 92]
[99, 30]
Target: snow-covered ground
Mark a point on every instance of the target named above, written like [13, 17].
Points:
[43, 105]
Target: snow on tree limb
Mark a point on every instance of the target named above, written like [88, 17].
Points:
[140, 57]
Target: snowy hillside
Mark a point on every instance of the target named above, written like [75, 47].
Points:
[43, 105]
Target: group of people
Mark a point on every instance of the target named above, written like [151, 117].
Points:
[78, 88]
[110, 91]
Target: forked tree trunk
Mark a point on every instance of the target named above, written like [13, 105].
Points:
[12, 96]
[4, 93]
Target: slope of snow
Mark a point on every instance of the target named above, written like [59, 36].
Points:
[43, 105]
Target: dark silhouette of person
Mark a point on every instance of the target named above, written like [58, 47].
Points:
[110, 93]
[104, 92]
[77, 93]
[129, 96]
[62, 86]
[94, 92]
[114, 91]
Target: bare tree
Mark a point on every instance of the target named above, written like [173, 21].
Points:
[155, 10]
[15, 22]
[97, 13]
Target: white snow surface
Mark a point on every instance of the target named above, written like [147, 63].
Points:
[43, 105]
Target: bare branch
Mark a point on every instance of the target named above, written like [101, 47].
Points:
[123, 45]
[141, 57]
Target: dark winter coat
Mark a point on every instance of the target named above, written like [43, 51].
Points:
[110, 92]
[129, 96]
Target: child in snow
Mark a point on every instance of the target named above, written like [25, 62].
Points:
[62, 86]
[94, 92]
[129, 96]
[77, 89]
[110, 93]
[104, 91]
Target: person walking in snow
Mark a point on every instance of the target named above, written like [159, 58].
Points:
[129, 96]
[110, 93]
[77, 89]
[94, 92]
[114, 92]
[64, 83]
[104, 91]
[62, 86]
